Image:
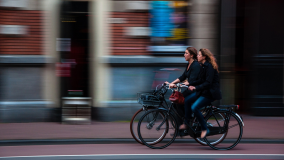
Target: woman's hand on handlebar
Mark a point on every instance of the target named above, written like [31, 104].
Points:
[185, 83]
[171, 85]
[191, 88]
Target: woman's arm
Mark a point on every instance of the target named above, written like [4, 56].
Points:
[197, 82]
[183, 76]
[172, 85]
[175, 81]
[208, 81]
[180, 79]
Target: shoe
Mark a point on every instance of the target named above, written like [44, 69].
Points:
[183, 126]
[204, 133]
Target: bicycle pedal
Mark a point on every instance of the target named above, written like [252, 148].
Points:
[183, 133]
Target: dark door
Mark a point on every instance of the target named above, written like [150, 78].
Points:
[73, 46]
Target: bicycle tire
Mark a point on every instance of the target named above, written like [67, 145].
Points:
[236, 121]
[202, 142]
[133, 127]
[168, 120]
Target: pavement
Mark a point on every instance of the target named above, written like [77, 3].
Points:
[256, 129]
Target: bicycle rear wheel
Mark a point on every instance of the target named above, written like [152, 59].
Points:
[218, 139]
[156, 125]
[224, 122]
[134, 124]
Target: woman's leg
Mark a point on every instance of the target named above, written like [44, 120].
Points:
[199, 103]
[187, 105]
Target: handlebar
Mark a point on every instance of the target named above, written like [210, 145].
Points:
[179, 85]
[165, 88]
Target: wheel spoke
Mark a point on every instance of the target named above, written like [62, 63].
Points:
[233, 126]
[218, 122]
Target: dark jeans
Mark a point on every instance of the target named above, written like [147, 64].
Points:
[192, 104]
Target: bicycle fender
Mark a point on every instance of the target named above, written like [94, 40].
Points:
[240, 118]
[236, 115]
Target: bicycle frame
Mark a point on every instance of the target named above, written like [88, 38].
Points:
[171, 110]
[196, 133]
[192, 132]
[170, 116]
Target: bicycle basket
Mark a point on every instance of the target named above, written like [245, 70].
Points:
[148, 99]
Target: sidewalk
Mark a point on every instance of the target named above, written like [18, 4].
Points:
[268, 128]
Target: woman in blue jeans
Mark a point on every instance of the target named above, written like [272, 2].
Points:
[207, 89]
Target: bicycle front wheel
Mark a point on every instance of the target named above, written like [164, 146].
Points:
[157, 125]
[224, 122]
[134, 124]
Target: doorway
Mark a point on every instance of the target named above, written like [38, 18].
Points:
[73, 67]
[74, 49]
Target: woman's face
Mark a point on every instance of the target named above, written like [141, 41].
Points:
[187, 56]
[200, 57]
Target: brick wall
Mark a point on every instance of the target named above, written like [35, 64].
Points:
[30, 44]
[125, 45]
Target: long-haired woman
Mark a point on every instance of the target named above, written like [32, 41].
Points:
[192, 69]
[207, 89]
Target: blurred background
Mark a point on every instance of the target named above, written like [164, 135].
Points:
[84, 60]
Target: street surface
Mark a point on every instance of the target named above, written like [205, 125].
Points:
[263, 138]
[137, 151]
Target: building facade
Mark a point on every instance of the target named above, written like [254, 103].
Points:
[78, 60]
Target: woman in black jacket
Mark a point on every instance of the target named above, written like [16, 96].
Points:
[192, 69]
[207, 89]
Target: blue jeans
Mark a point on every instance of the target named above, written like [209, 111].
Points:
[192, 104]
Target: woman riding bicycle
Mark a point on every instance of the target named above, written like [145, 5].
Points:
[192, 68]
[207, 89]
[190, 75]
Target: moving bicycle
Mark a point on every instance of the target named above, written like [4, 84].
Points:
[158, 128]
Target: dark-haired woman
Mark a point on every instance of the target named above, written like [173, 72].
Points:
[192, 69]
[189, 75]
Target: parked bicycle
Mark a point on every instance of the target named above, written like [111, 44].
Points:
[158, 128]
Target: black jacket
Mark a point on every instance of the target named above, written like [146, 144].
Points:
[208, 84]
[192, 74]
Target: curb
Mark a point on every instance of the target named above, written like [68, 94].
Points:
[115, 141]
